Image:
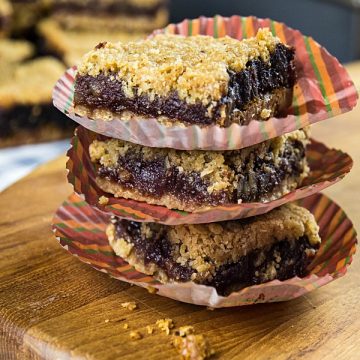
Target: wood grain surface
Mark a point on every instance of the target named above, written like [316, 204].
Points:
[52, 306]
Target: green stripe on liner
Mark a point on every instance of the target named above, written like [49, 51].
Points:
[94, 251]
[216, 30]
[190, 28]
[328, 244]
[228, 136]
[70, 98]
[66, 240]
[90, 251]
[82, 229]
[124, 212]
[347, 260]
[107, 253]
[318, 75]
[61, 225]
[325, 264]
[75, 143]
[263, 131]
[79, 204]
[243, 27]
[272, 27]
[181, 212]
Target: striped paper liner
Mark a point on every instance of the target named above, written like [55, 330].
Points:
[324, 89]
[80, 229]
[327, 167]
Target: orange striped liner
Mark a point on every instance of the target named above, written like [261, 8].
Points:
[331, 263]
[316, 50]
[95, 262]
[93, 246]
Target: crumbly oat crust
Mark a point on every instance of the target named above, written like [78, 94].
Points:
[196, 67]
[216, 169]
[71, 44]
[120, 22]
[173, 202]
[261, 108]
[206, 247]
[40, 74]
[14, 51]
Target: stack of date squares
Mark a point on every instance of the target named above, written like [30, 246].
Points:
[195, 166]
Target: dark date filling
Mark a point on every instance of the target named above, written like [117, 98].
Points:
[22, 117]
[156, 250]
[248, 270]
[255, 81]
[96, 7]
[294, 261]
[152, 177]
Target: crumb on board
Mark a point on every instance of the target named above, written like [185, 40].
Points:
[107, 320]
[103, 200]
[185, 330]
[165, 325]
[150, 329]
[135, 335]
[130, 305]
[126, 326]
[193, 347]
[152, 290]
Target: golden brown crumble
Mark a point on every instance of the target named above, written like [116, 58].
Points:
[185, 330]
[103, 200]
[205, 247]
[152, 290]
[196, 67]
[135, 335]
[130, 305]
[265, 113]
[165, 325]
[193, 347]
[126, 326]
[150, 329]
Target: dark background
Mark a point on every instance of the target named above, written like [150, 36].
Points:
[333, 23]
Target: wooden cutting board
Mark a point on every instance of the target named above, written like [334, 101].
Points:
[52, 306]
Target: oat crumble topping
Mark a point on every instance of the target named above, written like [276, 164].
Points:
[195, 67]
